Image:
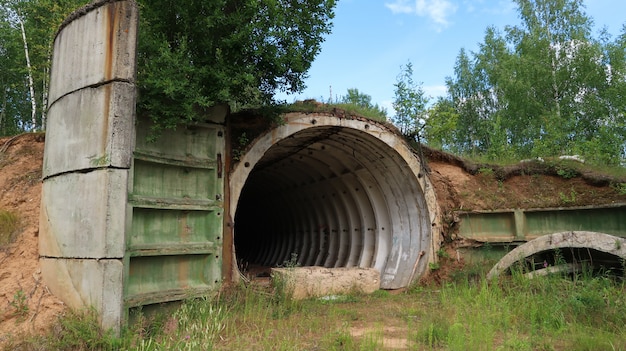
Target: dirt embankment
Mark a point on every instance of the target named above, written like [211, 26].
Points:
[27, 306]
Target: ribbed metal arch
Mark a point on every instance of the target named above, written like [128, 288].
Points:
[345, 194]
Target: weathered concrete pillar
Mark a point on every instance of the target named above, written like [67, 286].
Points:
[87, 158]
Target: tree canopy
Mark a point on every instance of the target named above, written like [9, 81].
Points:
[191, 55]
[544, 88]
[194, 54]
[364, 101]
[27, 26]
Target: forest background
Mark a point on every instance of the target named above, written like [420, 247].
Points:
[546, 87]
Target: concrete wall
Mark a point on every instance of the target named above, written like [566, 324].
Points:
[87, 158]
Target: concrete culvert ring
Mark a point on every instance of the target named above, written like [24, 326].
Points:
[566, 252]
[337, 193]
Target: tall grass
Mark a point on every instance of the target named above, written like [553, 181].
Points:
[469, 313]
[9, 223]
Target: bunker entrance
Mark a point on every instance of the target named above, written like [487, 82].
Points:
[332, 196]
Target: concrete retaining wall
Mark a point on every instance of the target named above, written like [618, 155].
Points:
[87, 158]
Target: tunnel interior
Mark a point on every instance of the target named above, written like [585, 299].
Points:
[333, 196]
[578, 261]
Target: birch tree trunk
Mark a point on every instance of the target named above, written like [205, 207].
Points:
[31, 85]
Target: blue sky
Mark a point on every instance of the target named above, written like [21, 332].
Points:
[371, 39]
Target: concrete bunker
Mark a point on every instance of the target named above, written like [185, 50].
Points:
[334, 192]
[566, 252]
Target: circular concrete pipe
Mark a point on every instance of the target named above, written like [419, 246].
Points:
[567, 250]
[334, 192]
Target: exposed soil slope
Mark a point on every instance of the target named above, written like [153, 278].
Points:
[27, 306]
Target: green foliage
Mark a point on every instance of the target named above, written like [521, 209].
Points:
[566, 172]
[434, 331]
[9, 223]
[620, 188]
[409, 103]
[41, 19]
[20, 304]
[349, 108]
[539, 89]
[79, 331]
[364, 102]
[516, 313]
[568, 199]
[433, 266]
[195, 54]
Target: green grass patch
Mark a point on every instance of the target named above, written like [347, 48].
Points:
[9, 225]
[349, 109]
[469, 313]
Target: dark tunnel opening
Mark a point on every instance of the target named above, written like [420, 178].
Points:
[575, 261]
[333, 196]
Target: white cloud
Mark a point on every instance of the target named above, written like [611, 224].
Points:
[437, 10]
[400, 6]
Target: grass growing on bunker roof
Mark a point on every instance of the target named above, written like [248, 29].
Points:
[464, 313]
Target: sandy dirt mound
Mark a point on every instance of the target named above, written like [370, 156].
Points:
[26, 305]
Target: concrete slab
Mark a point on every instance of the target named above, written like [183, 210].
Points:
[98, 47]
[91, 128]
[88, 283]
[83, 215]
[304, 282]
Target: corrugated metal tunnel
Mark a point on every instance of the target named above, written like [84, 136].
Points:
[333, 192]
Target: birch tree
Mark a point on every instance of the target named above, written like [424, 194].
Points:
[544, 88]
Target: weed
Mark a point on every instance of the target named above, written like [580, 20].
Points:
[341, 340]
[292, 262]
[242, 143]
[435, 332]
[620, 188]
[20, 303]
[545, 313]
[81, 331]
[566, 172]
[442, 253]
[434, 266]
[568, 199]
[9, 223]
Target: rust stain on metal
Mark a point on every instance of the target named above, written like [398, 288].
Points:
[112, 23]
[184, 228]
[219, 165]
[183, 274]
[227, 224]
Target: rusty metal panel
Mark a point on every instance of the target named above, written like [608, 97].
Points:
[174, 240]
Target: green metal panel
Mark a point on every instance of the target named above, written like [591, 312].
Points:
[523, 225]
[174, 237]
[607, 220]
[488, 226]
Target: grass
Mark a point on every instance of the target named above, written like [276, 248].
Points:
[9, 224]
[465, 313]
[350, 109]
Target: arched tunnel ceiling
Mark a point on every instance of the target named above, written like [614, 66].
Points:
[336, 193]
